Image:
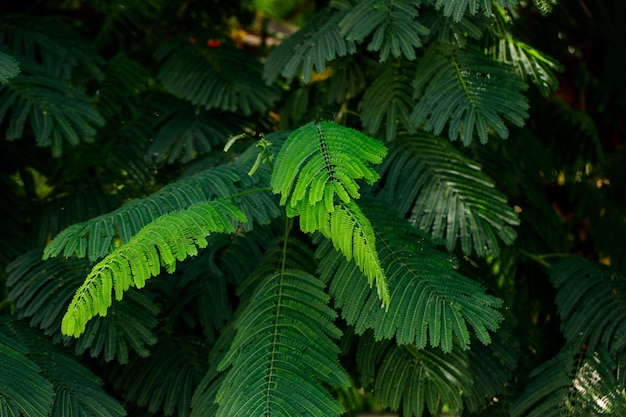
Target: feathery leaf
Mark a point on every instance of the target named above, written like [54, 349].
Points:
[458, 8]
[448, 195]
[469, 92]
[170, 238]
[309, 48]
[283, 352]
[392, 23]
[430, 301]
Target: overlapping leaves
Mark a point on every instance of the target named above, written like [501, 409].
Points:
[170, 238]
[283, 353]
[393, 24]
[448, 195]
[468, 92]
[431, 302]
[316, 173]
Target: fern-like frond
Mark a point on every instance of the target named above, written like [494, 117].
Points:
[392, 23]
[430, 301]
[166, 380]
[545, 6]
[445, 30]
[188, 133]
[283, 352]
[528, 63]
[315, 173]
[128, 327]
[97, 237]
[583, 383]
[78, 392]
[50, 43]
[222, 78]
[389, 97]
[548, 392]
[321, 162]
[590, 301]
[492, 367]
[467, 91]
[42, 289]
[308, 49]
[447, 195]
[458, 8]
[9, 67]
[56, 111]
[170, 238]
[25, 392]
[414, 379]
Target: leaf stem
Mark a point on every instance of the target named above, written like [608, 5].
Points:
[541, 259]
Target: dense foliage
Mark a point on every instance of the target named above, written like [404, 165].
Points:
[312, 208]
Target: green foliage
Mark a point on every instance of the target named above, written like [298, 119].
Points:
[580, 283]
[24, 390]
[315, 173]
[268, 163]
[285, 329]
[424, 288]
[48, 380]
[392, 23]
[457, 8]
[469, 91]
[55, 111]
[449, 196]
[170, 238]
[414, 379]
[390, 97]
[9, 67]
[215, 78]
[584, 384]
[320, 40]
[98, 237]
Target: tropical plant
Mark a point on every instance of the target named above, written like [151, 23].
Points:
[312, 208]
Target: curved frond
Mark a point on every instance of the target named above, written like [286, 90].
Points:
[215, 78]
[545, 6]
[584, 383]
[492, 367]
[467, 91]
[56, 111]
[128, 327]
[24, 390]
[168, 239]
[390, 97]
[308, 49]
[448, 195]
[458, 8]
[283, 352]
[315, 173]
[590, 301]
[97, 237]
[41, 290]
[9, 67]
[529, 63]
[416, 379]
[430, 301]
[392, 23]
[320, 162]
[78, 391]
[166, 380]
[48, 42]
